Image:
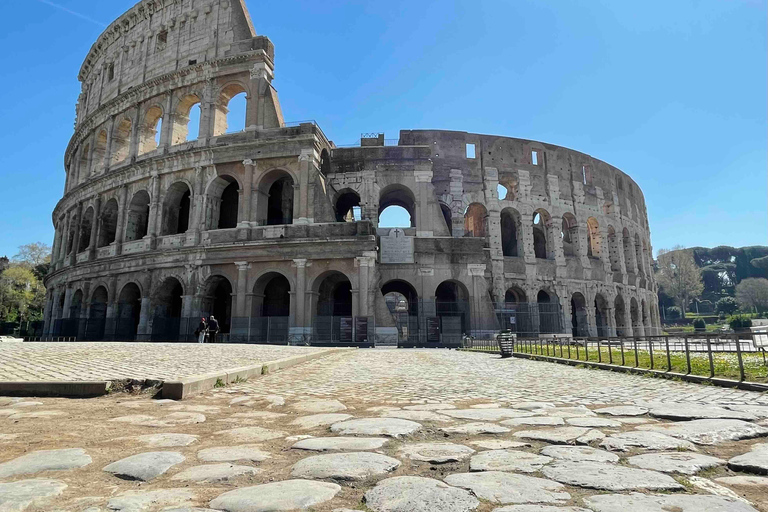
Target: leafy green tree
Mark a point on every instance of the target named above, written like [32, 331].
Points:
[752, 293]
[679, 275]
[22, 295]
[726, 305]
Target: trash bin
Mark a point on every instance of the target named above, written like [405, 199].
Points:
[506, 340]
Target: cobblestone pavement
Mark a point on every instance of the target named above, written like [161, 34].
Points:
[110, 361]
[471, 432]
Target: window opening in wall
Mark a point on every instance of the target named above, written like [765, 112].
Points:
[535, 157]
[470, 151]
[193, 127]
[394, 217]
[236, 114]
[111, 72]
[357, 213]
[192, 62]
[158, 131]
[162, 39]
[584, 174]
[502, 191]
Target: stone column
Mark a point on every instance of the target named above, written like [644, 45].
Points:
[363, 264]
[76, 241]
[476, 272]
[167, 127]
[47, 312]
[133, 149]
[154, 215]
[246, 199]
[110, 139]
[143, 333]
[197, 221]
[241, 287]
[457, 202]
[56, 245]
[94, 228]
[307, 170]
[610, 320]
[301, 324]
[67, 301]
[369, 198]
[423, 219]
[122, 210]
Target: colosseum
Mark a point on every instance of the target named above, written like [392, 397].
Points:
[173, 210]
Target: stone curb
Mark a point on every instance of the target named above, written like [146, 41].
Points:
[80, 389]
[180, 389]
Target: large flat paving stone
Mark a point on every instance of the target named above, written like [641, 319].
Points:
[318, 406]
[429, 407]
[686, 463]
[622, 410]
[139, 501]
[167, 440]
[214, 473]
[498, 444]
[685, 412]
[637, 502]
[45, 460]
[761, 411]
[579, 454]
[593, 422]
[508, 460]
[169, 420]
[708, 432]
[569, 412]
[329, 444]
[548, 421]
[251, 453]
[17, 496]
[144, 466]
[344, 466]
[437, 453]
[625, 441]
[487, 414]
[506, 488]
[417, 494]
[744, 481]
[392, 427]
[319, 420]
[533, 406]
[538, 508]
[418, 416]
[251, 434]
[276, 497]
[609, 477]
[476, 428]
[754, 461]
[561, 435]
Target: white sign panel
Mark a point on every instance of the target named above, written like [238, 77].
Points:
[396, 247]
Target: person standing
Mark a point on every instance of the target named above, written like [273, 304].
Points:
[201, 331]
[213, 328]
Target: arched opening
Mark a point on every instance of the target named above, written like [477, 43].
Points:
[514, 315]
[85, 230]
[579, 317]
[108, 227]
[402, 301]
[229, 116]
[397, 207]
[501, 190]
[510, 227]
[224, 196]
[82, 166]
[334, 308]
[629, 263]
[99, 151]
[271, 308]
[452, 307]
[613, 250]
[475, 220]
[186, 122]
[601, 316]
[167, 303]
[348, 207]
[277, 188]
[549, 312]
[594, 239]
[149, 137]
[634, 316]
[217, 302]
[76, 306]
[620, 316]
[447, 217]
[97, 315]
[176, 209]
[128, 312]
[569, 232]
[646, 317]
[542, 246]
[137, 222]
[515, 295]
[121, 141]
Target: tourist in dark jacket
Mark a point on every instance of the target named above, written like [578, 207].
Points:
[201, 331]
[213, 328]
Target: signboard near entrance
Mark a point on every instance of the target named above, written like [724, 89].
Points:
[345, 328]
[396, 247]
[433, 329]
[361, 329]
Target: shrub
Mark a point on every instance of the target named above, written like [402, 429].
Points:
[699, 324]
[727, 305]
[740, 322]
[674, 313]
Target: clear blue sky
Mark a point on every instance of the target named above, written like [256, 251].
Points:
[671, 92]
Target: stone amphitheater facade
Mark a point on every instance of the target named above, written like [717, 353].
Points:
[275, 230]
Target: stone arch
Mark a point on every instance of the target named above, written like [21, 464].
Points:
[515, 295]
[108, 223]
[222, 121]
[99, 151]
[97, 314]
[137, 218]
[217, 301]
[180, 131]
[400, 296]
[635, 316]
[397, 195]
[334, 294]
[510, 229]
[223, 192]
[150, 130]
[85, 230]
[176, 208]
[128, 311]
[276, 201]
[620, 315]
[167, 309]
[76, 304]
[594, 238]
[453, 311]
[548, 306]
[613, 250]
[579, 315]
[542, 234]
[476, 221]
[447, 216]
[272, 295]
[569, 233]
[121, 141]
[346, 202]
[82, 166]
[601, 316]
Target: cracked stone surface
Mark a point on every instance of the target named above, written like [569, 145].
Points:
[622, 410]
[319, 420]
[214, 473]
[245, 452]
[505, 488]
[144, 466]
[562, 435]
[167, 440]
[418, 494]
[392, 427]
[251, 434]
[508, 460]
[276, 496]
[429, 407]
[486, 414]
[708, 432]
[418, 416]
[609, 477]
[476, 428]
[651, 440]
[534, 421]
[319, 406]
[675, 462]
[698, 412]
[138, 501]
[579, 454]
[345, 466]
[637, 502]
[45, 460]
[538, 508]
[497, 444]
[754, 461]
[17, 496]
[329, 444]
[593, 422]
[744, 481]
[437, 453]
